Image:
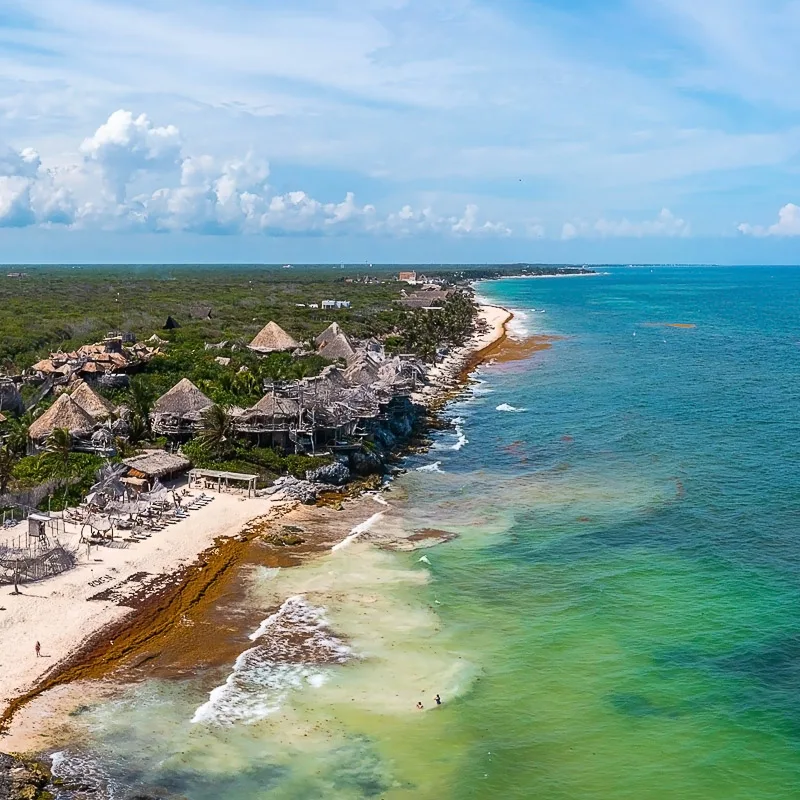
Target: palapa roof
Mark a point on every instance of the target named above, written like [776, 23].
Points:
[338, 347]
[182, 399]
[157, 463]
[45, 365]
[276, 405]
[362, 371]
[64, 413]
[91, 402]
[330, 333]
[273, 339]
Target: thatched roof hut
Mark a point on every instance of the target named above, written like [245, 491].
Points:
[96, 406]
[182, 400]
[156, 464]
[278, 406]
[336, 348]
[273, 339]
[64, 413]
[328, 335]
[363, 370]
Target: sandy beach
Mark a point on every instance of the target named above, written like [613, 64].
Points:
[449, 373]
[65, 612]
[59, 613]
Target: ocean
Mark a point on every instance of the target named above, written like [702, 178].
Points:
[615, 617]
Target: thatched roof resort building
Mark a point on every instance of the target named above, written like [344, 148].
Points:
[156, 465]
[64, 413]
[178, 412]
[273, 339]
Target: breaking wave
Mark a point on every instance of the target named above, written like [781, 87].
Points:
[517, 327]
[507, 407]
[357, 531]
[435, 467]
[295, 645]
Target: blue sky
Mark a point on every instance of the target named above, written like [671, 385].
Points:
[400, 130]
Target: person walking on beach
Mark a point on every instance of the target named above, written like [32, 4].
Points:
[38, 649]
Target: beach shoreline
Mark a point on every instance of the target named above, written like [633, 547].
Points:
[87, 639]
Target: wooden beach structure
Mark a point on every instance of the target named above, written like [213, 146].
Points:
[35, 552]
[222, 480]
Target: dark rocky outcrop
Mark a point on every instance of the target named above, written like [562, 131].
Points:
[337, 474]
[10, 399]
[23, 780]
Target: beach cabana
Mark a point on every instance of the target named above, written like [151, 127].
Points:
[92, 403]
[178, 412]
[273, 339]
[64, 413]
[156, 465]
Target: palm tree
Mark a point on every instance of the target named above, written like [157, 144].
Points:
[58, 450]
[7, 461]
[216, 431]
[140, 399]
[17, 436]
[137, 429]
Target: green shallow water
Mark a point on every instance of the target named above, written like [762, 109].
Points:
[617, 619]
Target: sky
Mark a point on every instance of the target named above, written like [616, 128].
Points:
[441, 131]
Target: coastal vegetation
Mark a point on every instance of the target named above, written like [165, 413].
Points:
[202, 320]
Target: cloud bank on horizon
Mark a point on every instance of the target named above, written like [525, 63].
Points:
[451, 120]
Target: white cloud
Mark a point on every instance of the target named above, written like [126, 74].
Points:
[15, 202]
[666, 224]
[469, 225]
[788, 224]
[206, 195]
[124, 145]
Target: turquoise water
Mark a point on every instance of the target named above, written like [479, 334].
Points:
[617, 619]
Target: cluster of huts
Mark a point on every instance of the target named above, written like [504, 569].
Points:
[89, 417]
[117, 353]
[363, 391]
[344, 404]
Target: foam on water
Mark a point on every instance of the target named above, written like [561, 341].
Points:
[435, 467]
[510, 408]
[517, 327]
[357, 531]
[295, 645]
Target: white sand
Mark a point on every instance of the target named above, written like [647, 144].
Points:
[444, 375]
[56, 612]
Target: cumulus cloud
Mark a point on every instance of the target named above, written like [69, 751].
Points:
[666, 224]
[788, 224]
[125, 145]
[195, 193]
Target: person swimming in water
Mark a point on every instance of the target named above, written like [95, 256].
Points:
[420, 706]
[438, 700]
